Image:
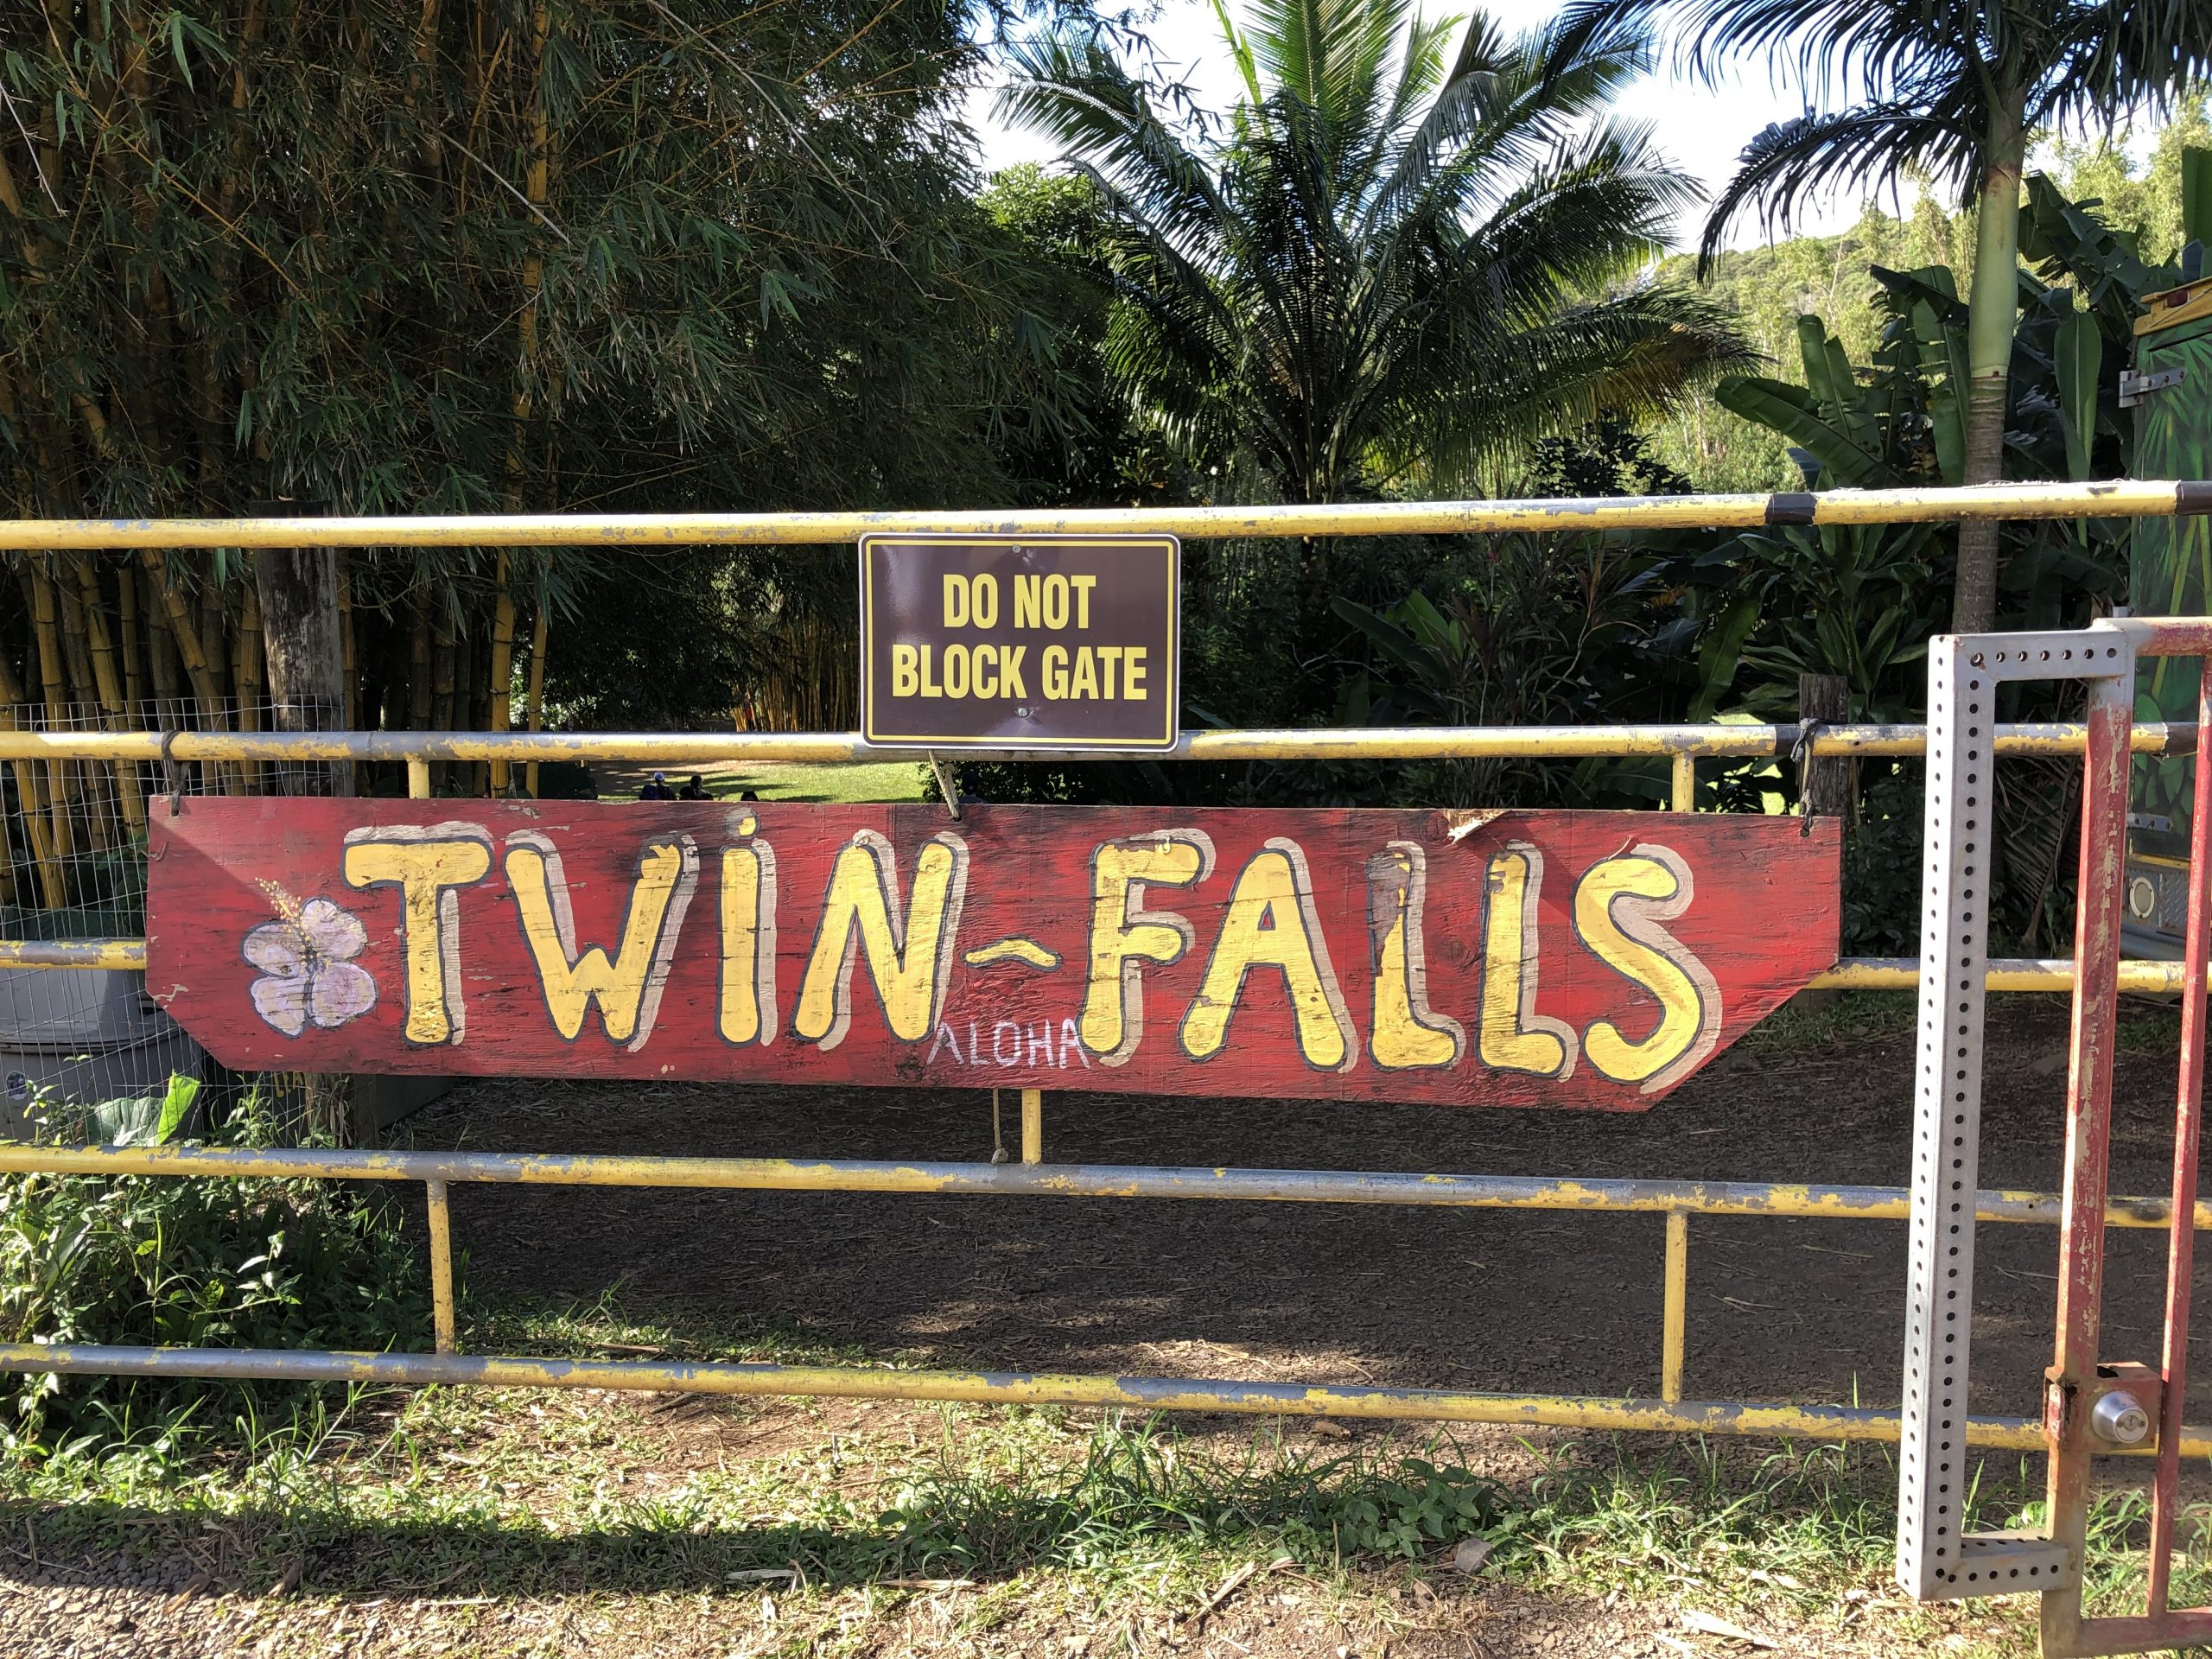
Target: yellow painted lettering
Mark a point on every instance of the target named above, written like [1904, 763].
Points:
[427, 865]
[1514, 1037]
[1110, 658]
[1011, 684]
[1408, 1035]
[909, 952]
[1083, 585]
[956, 670]
[1055, 602]
[1028, 603]
[1132, 673]
[1620, 908]
[983, 670]
[749, 906]
[1270, 923]
[627, 989]
[1124, 935]
[906, 677]
[1055, 661]
[956, 600]
[983, 599]
[929, 680]
[1085, 682]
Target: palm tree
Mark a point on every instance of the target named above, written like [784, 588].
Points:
[1393, 260]
[1950, 89]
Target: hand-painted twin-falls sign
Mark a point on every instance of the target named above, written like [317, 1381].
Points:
[1588, 959]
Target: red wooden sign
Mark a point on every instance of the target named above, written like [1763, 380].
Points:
[1589, 959]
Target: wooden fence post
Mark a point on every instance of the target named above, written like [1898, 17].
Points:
[297, 587]
[1824, 782]
[298, 590]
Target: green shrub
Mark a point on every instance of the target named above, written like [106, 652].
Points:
[159, 1260]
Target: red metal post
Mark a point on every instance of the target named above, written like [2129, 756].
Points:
[2187, 1120]
[2088, 1122]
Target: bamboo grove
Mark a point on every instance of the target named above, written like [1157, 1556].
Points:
[436, 256]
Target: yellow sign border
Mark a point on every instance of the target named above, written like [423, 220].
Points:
[1171, 697]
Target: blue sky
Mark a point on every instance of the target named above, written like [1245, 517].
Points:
[1701, 128]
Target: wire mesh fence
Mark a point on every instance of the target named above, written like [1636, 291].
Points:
[73, 866]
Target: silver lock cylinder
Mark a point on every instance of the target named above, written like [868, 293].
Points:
[2119, 1419]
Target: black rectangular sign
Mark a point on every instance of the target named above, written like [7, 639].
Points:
[1021, 642]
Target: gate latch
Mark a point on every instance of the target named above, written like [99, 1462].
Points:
[2134, 388]
[2122, 1400]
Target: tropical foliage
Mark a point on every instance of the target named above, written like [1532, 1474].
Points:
[481, 255]
[1951, 90]
[1412, 245]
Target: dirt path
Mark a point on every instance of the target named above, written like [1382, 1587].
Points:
[1779, 1309]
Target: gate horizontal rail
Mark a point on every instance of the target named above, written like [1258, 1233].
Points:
[1811, 1201]
[1684, 744]
[1625, 1414]
[439, 1170]
[1716, 742]
[2122, 497]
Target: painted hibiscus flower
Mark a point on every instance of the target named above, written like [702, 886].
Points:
[308, 974]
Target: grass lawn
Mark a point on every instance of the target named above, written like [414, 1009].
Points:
[512, 1522]
[854, 781]
[624, 1525]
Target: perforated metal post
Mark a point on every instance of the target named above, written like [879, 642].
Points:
[1936, 1558]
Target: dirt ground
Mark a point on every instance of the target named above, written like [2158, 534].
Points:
[1779, 1309]
[1787, 1309]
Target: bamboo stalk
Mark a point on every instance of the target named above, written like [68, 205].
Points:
[534, 703]
[214, 645]
[76, 648]
[184, 638]
[419, 669]
[250, 678]
[441, 655]
[503, 668]
[88, 796]
[346, 647]
[28, 797]
[184, 635]
[162, 664]
[129, 792]
[126, 615]
[60, 779]
[468, 714]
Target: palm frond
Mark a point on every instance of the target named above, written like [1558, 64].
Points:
[1790, 164]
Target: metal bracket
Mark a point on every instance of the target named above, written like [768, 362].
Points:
[943, 774]
[1936, 1560]
[173, 770]
[2135, 388]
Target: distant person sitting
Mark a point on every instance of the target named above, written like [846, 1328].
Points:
[658, 790]
[694, 791]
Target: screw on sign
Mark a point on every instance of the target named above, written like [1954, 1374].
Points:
[1584, 959]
